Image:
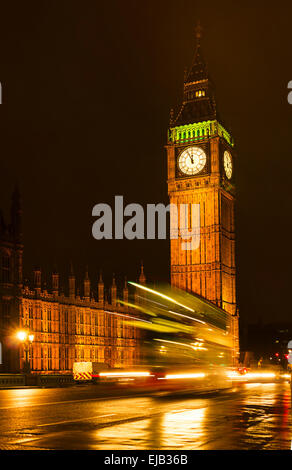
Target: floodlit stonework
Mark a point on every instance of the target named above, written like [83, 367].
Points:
[201, 159]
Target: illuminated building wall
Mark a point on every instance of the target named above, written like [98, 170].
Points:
[71, 329]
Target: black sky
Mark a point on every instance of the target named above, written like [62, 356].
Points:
[87, 89]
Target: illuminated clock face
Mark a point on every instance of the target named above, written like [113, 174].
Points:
[227, 164]
[192, 160]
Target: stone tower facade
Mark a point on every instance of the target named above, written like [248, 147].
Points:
[11, 257]
[201, 160]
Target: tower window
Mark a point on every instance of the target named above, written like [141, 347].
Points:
[200, 93]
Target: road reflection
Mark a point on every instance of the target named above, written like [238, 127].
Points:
[130, 435]
[251, 416]
[255, 417]
[267, 417]
[181, 428]
[177, 429]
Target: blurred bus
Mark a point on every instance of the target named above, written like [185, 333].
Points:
[186, 342]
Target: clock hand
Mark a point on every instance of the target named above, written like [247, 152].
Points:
[191, 157]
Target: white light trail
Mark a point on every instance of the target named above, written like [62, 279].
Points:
[163, 296]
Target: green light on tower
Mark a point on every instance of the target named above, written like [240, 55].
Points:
[198, 131]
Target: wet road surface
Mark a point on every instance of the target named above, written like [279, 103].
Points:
[251, 416]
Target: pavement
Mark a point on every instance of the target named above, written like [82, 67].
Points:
[246, 417]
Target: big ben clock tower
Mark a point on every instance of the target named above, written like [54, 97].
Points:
[201, 169]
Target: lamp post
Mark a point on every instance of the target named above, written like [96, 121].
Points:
[26, 338]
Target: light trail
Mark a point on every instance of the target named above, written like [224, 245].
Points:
[186, 316]
[163, 296]
[127, 316]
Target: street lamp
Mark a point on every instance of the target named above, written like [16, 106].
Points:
[26, 339]
[21, 335]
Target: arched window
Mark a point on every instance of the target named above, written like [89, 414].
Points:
[200, 93]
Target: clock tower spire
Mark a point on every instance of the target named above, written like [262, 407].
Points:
[201, 157]
[199, 102]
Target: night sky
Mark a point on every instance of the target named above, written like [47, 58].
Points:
[87, 90]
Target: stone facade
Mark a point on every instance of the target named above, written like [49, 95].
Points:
[70, 329]
[210, 269]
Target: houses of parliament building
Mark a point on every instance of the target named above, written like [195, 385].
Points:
[201, 161]
[66, 328]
